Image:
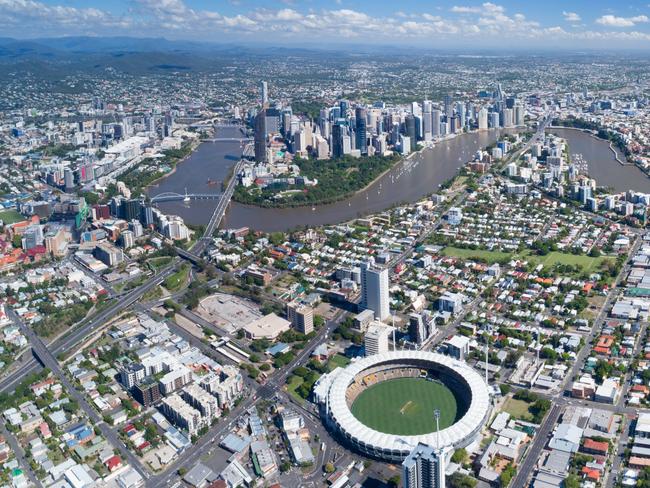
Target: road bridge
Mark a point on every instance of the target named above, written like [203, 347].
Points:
[169, 196]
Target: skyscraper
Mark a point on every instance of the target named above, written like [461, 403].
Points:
[265, 93]
[424, 468]
[483, 119]
[344, 105]
[360, 133]
[374, 290]
[427, 107]
[449, 106]
[519, 114]
[435, 123]
[410, 131]
[337, 140]
[260, 136]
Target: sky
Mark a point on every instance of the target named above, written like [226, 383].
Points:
[432, 24]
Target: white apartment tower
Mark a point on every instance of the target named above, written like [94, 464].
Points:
[374, 290]
[424, 468]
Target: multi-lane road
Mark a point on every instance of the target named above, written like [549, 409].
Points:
[66, 343]
[46, 357]
[527, 467]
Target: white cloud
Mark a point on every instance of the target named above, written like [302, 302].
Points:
[571, 17]
[614, 21]
[487, 8]
[484, 24]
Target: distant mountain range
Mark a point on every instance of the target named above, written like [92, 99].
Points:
[50, 56]
[63, 46]
[54, 57]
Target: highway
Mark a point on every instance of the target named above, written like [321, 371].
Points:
[66, 343]
[46, 357]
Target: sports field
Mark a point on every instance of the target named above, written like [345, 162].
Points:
[404, 406]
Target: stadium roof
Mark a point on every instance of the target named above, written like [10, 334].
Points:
[452, 436]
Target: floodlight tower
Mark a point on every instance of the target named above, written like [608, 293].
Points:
[436, 414]
[486, 361]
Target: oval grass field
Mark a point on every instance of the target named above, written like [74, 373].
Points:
[404, 406]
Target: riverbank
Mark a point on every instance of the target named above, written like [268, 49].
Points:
[268, 203]
[337, 179]
[591, 134]
[602, 166]
[410, 181]
[194, 146]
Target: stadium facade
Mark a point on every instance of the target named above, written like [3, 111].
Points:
[335, 393]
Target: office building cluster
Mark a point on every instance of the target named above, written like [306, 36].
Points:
[353, 129]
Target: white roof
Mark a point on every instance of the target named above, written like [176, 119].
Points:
[464, 428]
[269, 326]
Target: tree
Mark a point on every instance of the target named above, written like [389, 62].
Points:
[394, 481]
[572, 481]
[151, 433]
[507, 474]
[459, 480]
[459, 456]
[329, 468]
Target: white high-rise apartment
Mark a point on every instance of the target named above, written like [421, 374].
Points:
[265, 93]
[424, 468]
[374, 290]
[483, 119]
[376, 340]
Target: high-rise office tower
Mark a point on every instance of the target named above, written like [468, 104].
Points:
[519, 114]
[449, 106]
[498, 94]
[493, 120]
[360, 132]
[410, 130]
[273, 121]
[338, 131]
[507, 117]
[424, 468]
[323, 122]
[344, 105]
[427, 107]
[260, 136]
[374, 290]
[265, 93]
[483, 119]
[435, 123]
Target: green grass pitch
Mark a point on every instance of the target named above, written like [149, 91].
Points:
[404, 406]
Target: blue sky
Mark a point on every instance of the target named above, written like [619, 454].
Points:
[463, 24]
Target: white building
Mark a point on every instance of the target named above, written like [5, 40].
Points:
[424, 467]
[374, 290]
[377, 338]
[181, 414]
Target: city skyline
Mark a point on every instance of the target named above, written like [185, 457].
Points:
[436, 25]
